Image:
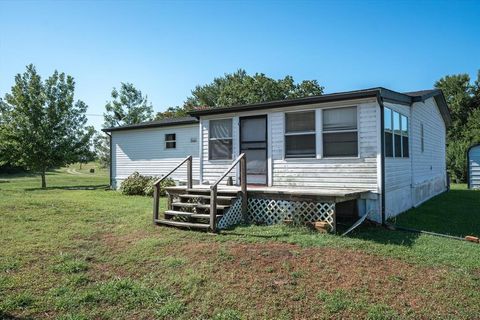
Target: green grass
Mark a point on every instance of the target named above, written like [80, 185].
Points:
[79, 251]
[454, 213]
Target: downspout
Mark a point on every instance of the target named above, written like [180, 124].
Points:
[110, 140]
[382, 153]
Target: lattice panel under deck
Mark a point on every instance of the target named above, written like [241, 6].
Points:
[233, 216]
[268, 211]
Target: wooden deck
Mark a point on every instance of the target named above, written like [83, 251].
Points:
[285, 193]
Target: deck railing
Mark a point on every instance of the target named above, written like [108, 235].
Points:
[242, 159]
[156, 184]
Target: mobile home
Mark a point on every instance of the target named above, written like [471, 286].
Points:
[373, 151]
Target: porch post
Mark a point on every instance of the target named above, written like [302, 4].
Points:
[243, 183]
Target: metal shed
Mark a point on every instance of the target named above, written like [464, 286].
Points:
[473, 160]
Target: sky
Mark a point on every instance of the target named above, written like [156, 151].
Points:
[166, 48]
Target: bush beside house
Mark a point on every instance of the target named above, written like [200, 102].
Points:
[138, 185]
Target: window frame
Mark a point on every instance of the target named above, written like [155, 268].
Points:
[422, 137]
[402, 116]
[392, 132]
[356, 130]
[174, 141]
[300, 133]
[210, 139]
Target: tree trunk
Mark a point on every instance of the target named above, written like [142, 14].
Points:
[44, 182]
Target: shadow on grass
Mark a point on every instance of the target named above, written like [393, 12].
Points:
[79, 187]
[384, 236]
[455, 213]
[8, 316]
[26, 174]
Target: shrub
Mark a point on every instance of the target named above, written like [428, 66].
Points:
[165, 183]
[136, 184]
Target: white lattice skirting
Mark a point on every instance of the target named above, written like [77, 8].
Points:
[269, 211]
[233, 216]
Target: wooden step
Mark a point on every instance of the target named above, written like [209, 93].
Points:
[207, 191]
[177, 213]
[199, 196]
[182, 224]
[189, 214]
[198, 205]
[204, 216]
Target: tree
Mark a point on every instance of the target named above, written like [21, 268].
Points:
[101, 143]
[41, 125]
[463, 99]
[240, 88]
[128, 106]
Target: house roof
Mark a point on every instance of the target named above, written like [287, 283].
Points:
[155, 124]
[407, 98]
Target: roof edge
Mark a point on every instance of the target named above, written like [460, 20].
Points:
[152, 124]
[349, 95]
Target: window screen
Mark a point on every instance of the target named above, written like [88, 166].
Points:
[397, 135]
[340, 136]
[300, 135]
[387, 124]
[340, 119]
[404, 123]
[170, 141]
[300, 122]
[220, 139]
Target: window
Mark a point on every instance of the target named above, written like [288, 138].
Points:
[340, 136]
[170, 141]
[388, 132]
[396, 134]
[300, 135]
[404, 126]
[220, 139]
[422, 137]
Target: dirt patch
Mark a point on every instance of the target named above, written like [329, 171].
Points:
[276, 276]
[264, 280]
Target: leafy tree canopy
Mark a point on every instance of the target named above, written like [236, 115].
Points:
[240, 88]
[101, 145]
[41, 126]
[463, 99]
[128, 106]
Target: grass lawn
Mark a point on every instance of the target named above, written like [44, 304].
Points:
[78, 251]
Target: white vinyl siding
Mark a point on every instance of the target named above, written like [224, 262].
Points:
[144, 150]
[411, 181]
[333, 173]
[429, 166]
[398, 170]
[338, 173]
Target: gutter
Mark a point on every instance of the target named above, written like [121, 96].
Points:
[382, 160]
